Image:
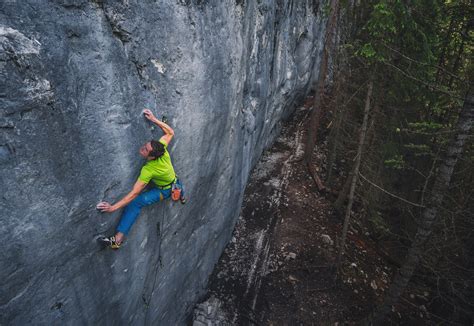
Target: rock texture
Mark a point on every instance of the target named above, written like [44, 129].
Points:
[210, 313]
[75, 77]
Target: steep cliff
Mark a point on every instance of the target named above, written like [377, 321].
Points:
[75, 77]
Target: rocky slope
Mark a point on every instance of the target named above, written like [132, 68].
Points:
[75, 77]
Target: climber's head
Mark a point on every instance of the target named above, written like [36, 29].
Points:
[152, 150]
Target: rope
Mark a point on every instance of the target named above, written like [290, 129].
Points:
[160, 235]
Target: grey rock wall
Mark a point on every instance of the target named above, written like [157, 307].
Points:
[75, 77]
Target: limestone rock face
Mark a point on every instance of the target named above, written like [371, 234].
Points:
[75, 76]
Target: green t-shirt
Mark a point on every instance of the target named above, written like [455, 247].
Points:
[160, 170]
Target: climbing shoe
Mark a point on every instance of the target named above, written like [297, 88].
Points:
[109, 242]
[183, 200]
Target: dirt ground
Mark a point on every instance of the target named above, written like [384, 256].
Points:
[278, 267]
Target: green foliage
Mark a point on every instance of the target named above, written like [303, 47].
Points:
[395, 162]
[419, 55]
[326, 9]
[396, 25]
[419, 149]
[378, 223]
[425, 126]
[367, 51]
[383, 23]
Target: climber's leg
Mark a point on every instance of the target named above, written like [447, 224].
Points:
[133, 209]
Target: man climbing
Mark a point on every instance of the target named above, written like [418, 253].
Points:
[158, 169]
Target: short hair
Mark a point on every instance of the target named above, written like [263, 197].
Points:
[158, 149]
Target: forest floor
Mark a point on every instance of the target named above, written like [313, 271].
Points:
[278, 267]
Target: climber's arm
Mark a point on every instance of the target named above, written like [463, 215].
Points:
[137, 189]
[169, 132]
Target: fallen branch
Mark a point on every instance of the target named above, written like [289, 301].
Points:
[389, 193]
[315, 177]
[423, 63]
[430, 86]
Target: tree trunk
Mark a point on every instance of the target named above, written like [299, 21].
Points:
[355, 175]
[339, 114]
[429, 214]
[444, 48]
[344, 191]
[316, 112]
[464, 35]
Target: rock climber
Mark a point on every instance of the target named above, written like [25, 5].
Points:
[158, 169]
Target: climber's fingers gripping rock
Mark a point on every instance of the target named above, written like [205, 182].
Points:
[104, 206]
[148, 114]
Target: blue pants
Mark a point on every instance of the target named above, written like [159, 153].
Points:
[131, 212]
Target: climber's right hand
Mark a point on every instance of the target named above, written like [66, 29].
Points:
[149, 115]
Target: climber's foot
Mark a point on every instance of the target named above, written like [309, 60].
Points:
[109, 242]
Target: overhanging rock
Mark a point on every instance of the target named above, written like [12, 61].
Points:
[76, 76]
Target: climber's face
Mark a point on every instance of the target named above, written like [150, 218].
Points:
[145, 150]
